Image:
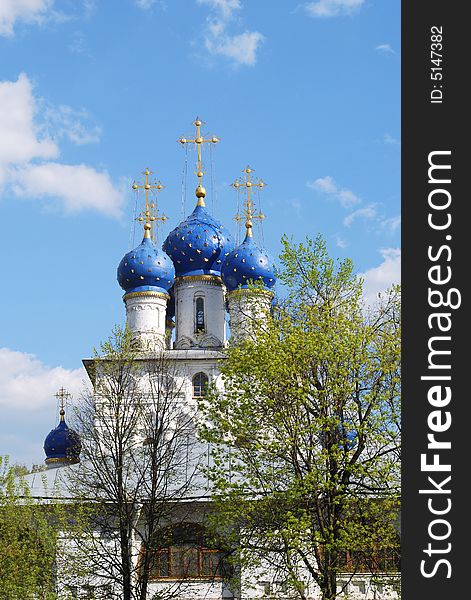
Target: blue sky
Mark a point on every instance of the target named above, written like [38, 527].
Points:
[92, 92]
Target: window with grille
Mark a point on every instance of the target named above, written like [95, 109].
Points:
[199, 315]
[186, 562]
[200, 385]
[188, 555]
[380, 560]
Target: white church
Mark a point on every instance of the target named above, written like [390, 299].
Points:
[177, 300]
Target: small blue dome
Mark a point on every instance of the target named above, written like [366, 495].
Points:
[146, 269]
[62, 443]
[247, 263]
[198, 245]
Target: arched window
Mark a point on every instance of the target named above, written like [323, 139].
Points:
[184, 552]
[199, 315]
[200, 385]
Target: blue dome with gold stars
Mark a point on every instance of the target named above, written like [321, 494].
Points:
[62, 444]
[146, 268]
[199, 244]
[247, 263]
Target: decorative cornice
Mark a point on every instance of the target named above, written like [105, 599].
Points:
[245, 292]
[209, 279]
[70, 461]
[148, 294]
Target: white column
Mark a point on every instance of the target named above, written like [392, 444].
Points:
[203, 294]
[248, 311]
[145, 316]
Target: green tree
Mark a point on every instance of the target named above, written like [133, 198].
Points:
[28, 538]
[306, 433]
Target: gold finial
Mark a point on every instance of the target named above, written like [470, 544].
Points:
[248, 211]
[199, 141]
[62, 395]
[150, 215]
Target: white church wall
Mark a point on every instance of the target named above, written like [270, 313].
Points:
[145, 314]
[211, 290]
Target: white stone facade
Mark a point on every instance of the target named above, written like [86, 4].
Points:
[248, 310]
[200, 314]
[145, 318]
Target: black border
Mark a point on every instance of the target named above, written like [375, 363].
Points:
[427, 127]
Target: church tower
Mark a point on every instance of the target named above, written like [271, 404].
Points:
[247, 271]
[146, 274]
[197, 247]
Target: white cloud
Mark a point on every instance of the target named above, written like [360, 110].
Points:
[79, 45]
[340, 242]
[89, 7]
[145, 4]
[389, 140]
[27, 384]
[386, 48]
[332, 8]
[240, 48]
[79, 187]
[366, 212]
[296, 205]
[225, 7]
[28, 405]
[391, 224]
[64, 121]
[328, 186]
[20, 139]
[348, 199]
[29, 11]
[380, 278]
[26, 145]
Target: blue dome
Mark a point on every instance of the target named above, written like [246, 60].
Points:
[62, 443]
[198, 245]
[247, 263]
[146, 269]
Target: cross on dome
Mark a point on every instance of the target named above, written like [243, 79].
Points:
[248, 212]
[150, 215]
[62, 395]
[199, 140]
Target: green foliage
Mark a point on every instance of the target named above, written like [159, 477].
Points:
[28, 537]
[307, 432]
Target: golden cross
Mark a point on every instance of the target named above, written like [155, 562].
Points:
[150, 214]
[249, 212]
[199, 141]
[62, 395]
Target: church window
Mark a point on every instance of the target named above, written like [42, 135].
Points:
[371, 560]
[184, 552]
[200, 385]
[199, 315]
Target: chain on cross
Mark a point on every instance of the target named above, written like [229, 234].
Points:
[150, 215]
[199, 140]
[248, 213]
